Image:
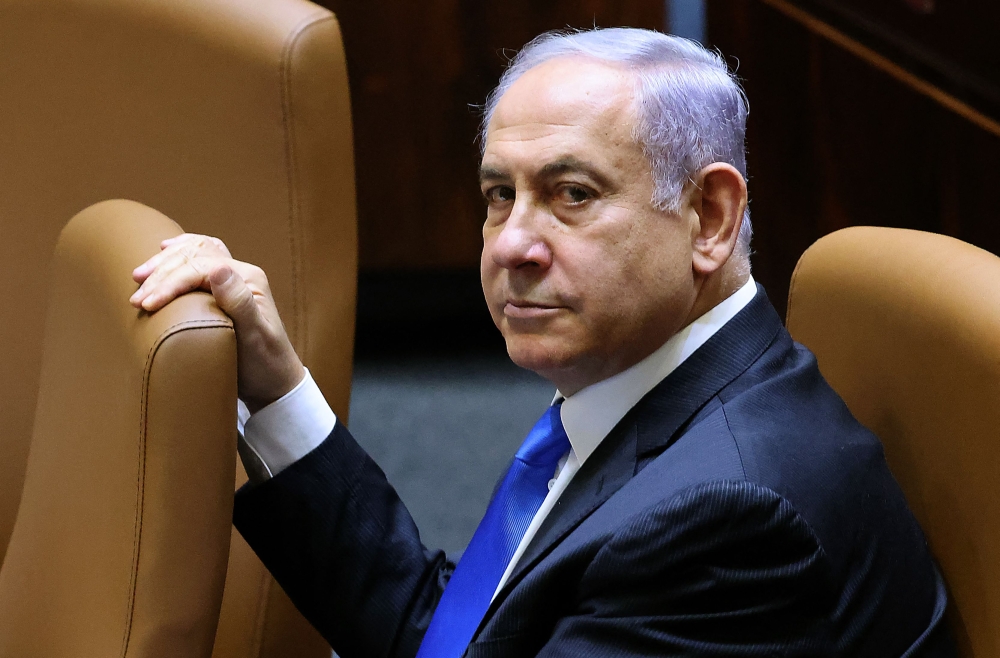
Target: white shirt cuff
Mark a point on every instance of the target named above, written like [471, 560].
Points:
[286, 430]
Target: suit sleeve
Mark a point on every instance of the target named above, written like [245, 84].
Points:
[340, 542]
[722, 569]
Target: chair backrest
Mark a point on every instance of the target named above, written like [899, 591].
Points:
[905, 326]
[122, 535]
[231, 117]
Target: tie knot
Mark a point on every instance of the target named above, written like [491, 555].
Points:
[547, 440]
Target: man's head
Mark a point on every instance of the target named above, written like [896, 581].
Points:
[689, 110]
[614, 171]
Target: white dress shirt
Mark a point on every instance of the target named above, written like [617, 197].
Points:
[288, 429]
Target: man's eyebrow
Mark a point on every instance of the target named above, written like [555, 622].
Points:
[570, 164]
[490, 173]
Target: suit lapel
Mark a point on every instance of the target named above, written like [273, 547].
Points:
[669, 408]
[651, 426]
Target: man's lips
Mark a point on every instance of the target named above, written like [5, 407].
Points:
[524, 310]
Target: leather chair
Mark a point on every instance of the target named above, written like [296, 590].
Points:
[122, 535]
[906, 327]
[231, 117]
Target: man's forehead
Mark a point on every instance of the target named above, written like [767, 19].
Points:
[564, 90]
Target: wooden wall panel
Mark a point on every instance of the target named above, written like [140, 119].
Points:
[415, 70]
[950, 42]
[837, 137]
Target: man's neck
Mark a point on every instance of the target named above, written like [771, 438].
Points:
[711, 293]
[717, 288]
[589, 414]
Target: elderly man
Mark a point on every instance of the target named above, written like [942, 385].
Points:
[695, 489]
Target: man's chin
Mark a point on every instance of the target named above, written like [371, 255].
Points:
[534, 354]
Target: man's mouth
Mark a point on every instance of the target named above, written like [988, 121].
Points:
[527, 310]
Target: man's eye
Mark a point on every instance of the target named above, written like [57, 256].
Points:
[499, 194]
[575, 194]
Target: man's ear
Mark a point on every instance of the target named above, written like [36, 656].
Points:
[718, 198]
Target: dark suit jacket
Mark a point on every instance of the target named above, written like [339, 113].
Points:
[737, 510]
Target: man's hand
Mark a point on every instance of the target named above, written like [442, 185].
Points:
[267, 364]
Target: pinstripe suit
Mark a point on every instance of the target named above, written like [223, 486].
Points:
[737, 510]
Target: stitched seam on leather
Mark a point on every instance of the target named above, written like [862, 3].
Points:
[295, 239]
[143, 400]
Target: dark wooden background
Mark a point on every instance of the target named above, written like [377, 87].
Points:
[417, 70]
[865, 112]
[862, 112]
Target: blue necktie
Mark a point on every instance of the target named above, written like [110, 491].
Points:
[470, 590]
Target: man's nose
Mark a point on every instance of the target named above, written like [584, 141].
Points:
[521, 243]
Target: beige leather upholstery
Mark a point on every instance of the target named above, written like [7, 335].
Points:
[906, 327]
[122, 536]
[232, 117]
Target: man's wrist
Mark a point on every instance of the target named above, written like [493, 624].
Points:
[289, 428]
[291, 379]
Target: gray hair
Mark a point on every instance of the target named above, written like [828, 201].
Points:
[690, 109]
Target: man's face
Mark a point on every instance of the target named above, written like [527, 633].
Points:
[583, 276]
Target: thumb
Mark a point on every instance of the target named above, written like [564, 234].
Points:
[234, 296]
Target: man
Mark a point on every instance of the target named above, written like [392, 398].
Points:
[695, 489]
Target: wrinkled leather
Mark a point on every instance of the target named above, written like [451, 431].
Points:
[906, 327]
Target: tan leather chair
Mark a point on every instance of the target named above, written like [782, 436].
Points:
[906, 327]
[232, 117]
[122, 536]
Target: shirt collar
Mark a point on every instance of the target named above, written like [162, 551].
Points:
[591, 413]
